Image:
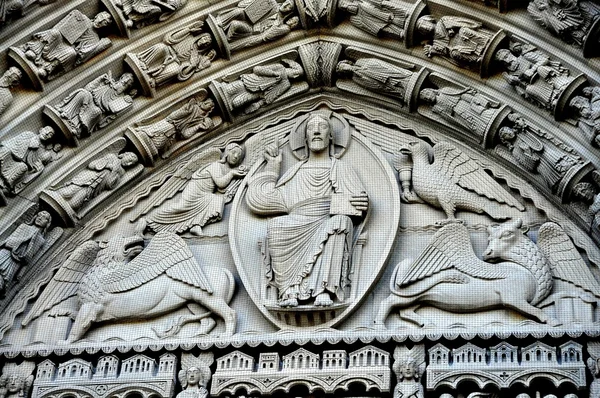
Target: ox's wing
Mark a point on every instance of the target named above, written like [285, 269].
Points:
[179, 180]
[65, 282]
[449, 248]
[462, 170]
[166, 253]
[565, 260]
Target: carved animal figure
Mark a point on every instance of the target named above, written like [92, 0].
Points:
[162, 278]
[454, 181]
[448, 275]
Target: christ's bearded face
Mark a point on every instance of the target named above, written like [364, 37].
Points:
[318, 134]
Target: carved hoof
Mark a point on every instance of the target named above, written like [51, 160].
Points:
[323, 300]
[290, 302]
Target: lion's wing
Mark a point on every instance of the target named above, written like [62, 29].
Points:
[65, 282]
[166, 253]
[449, 248]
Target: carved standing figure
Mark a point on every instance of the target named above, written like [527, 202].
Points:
[587, 108]
[22, 246]
[73, 41]
[16, 380]
[409, 366]
[533, 74]
[465, 107]
[206, 184]
[181, 54]
[10, 79]
[24, 157]
[191, 119]
[103, 174]
[460, 40]
[140, 13]
[321, 198]
[97, 104]
[378, 18]
[377, 76]
[453, 181]
[195, 375]
[263, 86]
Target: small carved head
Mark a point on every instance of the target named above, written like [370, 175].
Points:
[128, 159]
[505, 56]
[507, 135]
[429, 95]
[207, 105]
[582, 105]
[43, 220]
[46, 133]
[204, 40]
[426, 25]
[286, 7]
[293, 22]
[17, 379]
[126, 82]
[318, 133]
[233, 154]
[102, 20]
[12, 76]
[584, 191]
[344, 66]
[503, 238]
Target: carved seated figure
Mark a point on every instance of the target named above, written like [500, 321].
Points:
[140, 13]
[71, 42]
[316, 204]
[587, 107]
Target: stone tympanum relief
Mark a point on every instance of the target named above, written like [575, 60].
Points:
[55, 51]
[448, 275]
[196, 194]
[92, 107]
[195, 374]
[16, 380]
[153, 138]
[26, 245]
[181, 54]
[409, 367]
[309, 198]
[122, 281]
[23, 158]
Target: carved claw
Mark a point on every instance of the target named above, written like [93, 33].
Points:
[171, 330]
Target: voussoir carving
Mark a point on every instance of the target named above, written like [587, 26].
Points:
[409, 366]
[16, 380]
[195, 374]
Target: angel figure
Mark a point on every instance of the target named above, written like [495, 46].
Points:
[16, 380]
[195, 375]
[409, 366]
[206, 184]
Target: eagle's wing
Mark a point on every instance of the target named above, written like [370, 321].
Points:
[449, 248]
[462, 170]
[564, 258]
[65, 282]
[166, 253]
[179, 180]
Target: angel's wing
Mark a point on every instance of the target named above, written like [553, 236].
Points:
[190, 360]
[166, 253]
[564, 258]
[65, 282]
[449, 248]
[179, 180]
[462, 170]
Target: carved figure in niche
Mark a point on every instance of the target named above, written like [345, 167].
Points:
[377, 18]
[71, 42]
[206, 184]
[449, 276]
[460, 40]
[103, 174]
[254, 21]
[568, 19]
[192, 119]
[522, 141]
[587, 107]
[593, 363]
[321, 198]
[453, 181]
[181, 54]
[533, 74]
[263, 86]
[122, 281]
[377, 76]
[16, 380]
[465, 107]
[97, 104]
[409, 366]
[10, 79]
[24, 157]
[195, 375]
[20, 248]
[140, 13]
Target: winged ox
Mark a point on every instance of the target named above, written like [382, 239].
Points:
[123, 281]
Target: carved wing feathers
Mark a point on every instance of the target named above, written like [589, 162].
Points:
[65, 282]
[565, 260]
[166, 253]
[449, 248]
[180, 179]
[460, 169]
